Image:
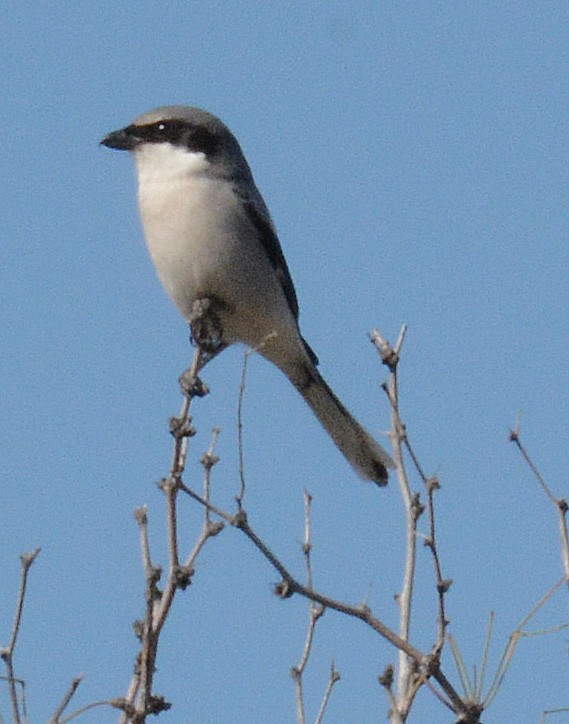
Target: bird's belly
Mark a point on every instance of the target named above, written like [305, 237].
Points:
[187, 242]
[202, 246]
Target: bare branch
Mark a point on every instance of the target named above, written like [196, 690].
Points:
[473, 688]
[439, 695]
[408, 682]
[515, 438]
[545, 714]
[390, 357]
[560, 504]
[88, 707]
[386, 681]
[209, 460]
[7, 652]
[307, 545]
[443, 584]
[140, 701]
[241, 494]
[315, 612]
[180, 427]
[26, 560]
[461, 668]
[242, 384]
[332, 680]
[289, 586]
[210, 528]
[55, 719]
[484, 666]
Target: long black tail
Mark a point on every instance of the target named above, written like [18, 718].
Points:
[365, 455]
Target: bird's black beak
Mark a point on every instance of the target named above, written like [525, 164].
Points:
[122, 140]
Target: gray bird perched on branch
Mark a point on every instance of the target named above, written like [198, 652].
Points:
[217, 253]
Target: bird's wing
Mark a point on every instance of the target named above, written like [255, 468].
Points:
[259, 216]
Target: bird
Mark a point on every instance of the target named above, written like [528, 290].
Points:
[217, 254]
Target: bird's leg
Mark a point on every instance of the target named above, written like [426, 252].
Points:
[206, 336]
[205, 328]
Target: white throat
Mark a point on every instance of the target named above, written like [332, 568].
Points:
[163, 162]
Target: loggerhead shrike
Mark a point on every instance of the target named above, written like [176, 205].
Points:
[217, 253]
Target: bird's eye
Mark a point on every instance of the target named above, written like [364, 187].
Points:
[167, 131]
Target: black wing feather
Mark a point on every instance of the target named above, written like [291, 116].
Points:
[272, 246]
[273, 250]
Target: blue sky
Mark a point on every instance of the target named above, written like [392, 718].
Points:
[415, 160]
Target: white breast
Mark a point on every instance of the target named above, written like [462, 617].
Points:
[186, 216]
[202, 243]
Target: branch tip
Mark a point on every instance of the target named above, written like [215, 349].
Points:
[389, 356]
[28, 558]
[141, 515]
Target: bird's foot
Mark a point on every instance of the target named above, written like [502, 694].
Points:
[205, 327]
